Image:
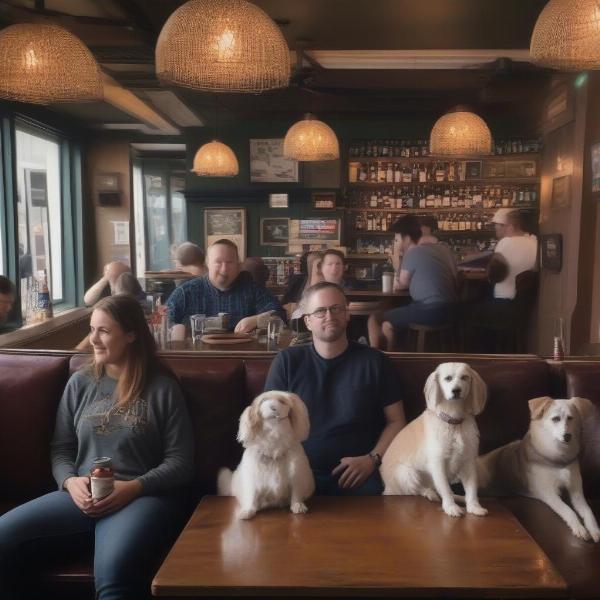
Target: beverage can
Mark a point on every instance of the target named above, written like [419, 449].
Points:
[102, 477]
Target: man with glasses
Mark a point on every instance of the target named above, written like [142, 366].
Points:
[351, 392]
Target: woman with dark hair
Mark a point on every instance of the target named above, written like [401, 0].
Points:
[126, 407]
[310, 267]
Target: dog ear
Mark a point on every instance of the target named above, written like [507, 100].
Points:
[537, 406]
[478, 392]
[298, 417]
[250, 423]
[432, 391]
[583, 406]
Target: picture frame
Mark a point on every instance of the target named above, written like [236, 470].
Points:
[595, 168]
[278, 201]
[324, 200]
[472, 169]
[274, 231]
[561, 192]
[267, 163]
[551, 252]
[226, 223]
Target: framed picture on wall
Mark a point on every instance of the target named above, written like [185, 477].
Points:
[595, 151]
[226, 223]
[551, 252]
[561, 192]
[323, 200]
[267, 163]
[274, 231]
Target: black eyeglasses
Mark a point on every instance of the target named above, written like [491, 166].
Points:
[320, 313]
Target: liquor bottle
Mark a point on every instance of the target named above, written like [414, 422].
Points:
[44, 304]
[422, 173]
[397, 173]
[389, 174]
[414, 176]
[381, 172]
[451, 172]
[440, 172]
[373, 172]
[373, 200]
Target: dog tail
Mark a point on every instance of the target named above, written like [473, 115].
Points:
[224, 482]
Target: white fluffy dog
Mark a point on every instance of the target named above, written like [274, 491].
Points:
[441, 445]
[544, 462]
[274, 470]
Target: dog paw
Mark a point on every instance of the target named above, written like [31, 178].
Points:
[246, 513]
[431, 495]
[595, 534]
[299, 508]
[453, 510]
[580, 531]
[477, 509]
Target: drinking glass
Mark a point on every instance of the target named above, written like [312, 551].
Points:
[274, 328]
[197, 327]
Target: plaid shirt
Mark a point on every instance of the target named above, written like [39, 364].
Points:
[243, 299]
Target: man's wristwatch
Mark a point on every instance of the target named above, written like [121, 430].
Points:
[376, 458]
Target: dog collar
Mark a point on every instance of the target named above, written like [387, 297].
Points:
[448, 418]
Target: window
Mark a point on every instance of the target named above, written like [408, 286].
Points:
[158, 195]
[39, 215]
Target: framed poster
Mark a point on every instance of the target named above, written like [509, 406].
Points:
[595, 150]
[267, 163]
[551, 252]
[226, 223]
[561, 192]
[323, 200]
[274, 231]
[278, 201]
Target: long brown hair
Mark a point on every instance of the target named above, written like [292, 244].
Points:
[141, 357]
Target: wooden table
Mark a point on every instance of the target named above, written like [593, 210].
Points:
[379, 546]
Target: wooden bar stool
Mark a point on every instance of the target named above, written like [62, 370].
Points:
[442, 337]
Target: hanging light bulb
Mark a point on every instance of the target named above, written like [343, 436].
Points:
[311, 139]
[460, 133]
[222, 46]
[215, 160]
[567, 35]
[43, 64]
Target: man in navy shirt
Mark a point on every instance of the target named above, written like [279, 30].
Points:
[351, 392]
[224, 289]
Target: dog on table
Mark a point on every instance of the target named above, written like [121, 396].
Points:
[274, 470]
[545, 462]
[441, 445]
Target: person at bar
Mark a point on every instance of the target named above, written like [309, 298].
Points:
[105, 286]
[124, 405]
[190, 258]
[225, 289]
[428, 271]
[333, 268]
[351, 392]
[7, 299]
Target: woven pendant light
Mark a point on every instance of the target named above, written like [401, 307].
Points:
[215, 160]
[311, 139]
[460, 133]
[222, 46]
[567, 35]
[43, 64]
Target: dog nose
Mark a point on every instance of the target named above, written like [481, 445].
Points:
[456, 391]
[567, 437]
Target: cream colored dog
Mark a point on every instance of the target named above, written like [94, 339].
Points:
[441, 445]
[545, 462]
[274, 470]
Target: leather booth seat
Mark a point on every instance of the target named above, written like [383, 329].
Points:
[217, 390]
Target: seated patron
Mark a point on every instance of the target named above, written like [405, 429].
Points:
[7, 299]
[226, 289]
[428, 228]
[351, 392]
[333, 268]
[126, 406]
[310, 266]
[255, 265]
[190, 258]
[428, 271]
[106, 284]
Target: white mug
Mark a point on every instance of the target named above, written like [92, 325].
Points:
[387, 282]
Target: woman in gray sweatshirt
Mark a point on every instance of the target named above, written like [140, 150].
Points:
[122, 406]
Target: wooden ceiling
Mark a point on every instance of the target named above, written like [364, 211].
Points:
[123, 38]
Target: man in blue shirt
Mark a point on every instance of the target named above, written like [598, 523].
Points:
[225, 290]
[352, 394]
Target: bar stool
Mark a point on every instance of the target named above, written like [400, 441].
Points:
[442, 337]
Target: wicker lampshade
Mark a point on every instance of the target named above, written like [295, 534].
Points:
[460, 133]
[222, 46]
[46, 63]
[311, 139]
[215, 160]
[567, 35]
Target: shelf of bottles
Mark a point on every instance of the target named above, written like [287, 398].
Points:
[388, 178]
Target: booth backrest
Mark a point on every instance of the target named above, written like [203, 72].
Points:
[218, 389]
